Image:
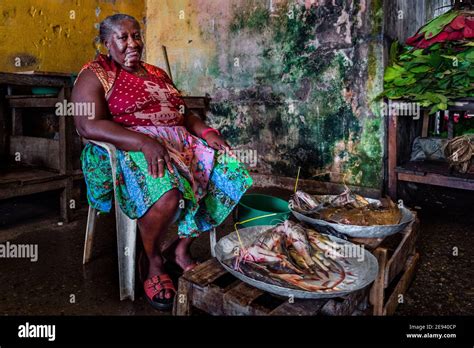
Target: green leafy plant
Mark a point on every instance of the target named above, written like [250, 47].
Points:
[437, 65]
[434, 77]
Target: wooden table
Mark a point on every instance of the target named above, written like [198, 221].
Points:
[402, 130]
[44, 164]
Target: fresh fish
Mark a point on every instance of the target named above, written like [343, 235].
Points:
[310, 283]
[291, 255]
[262, 273]
[348, 199]
[270, 240]
[323, 244]
[298, 259]
[296, 236]
[303, 201]
[258, 254]
[347, 208]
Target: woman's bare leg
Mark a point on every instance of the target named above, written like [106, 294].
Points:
[179, 253]
[182, 254]
[153, 226]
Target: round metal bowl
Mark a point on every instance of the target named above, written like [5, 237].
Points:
[375, 231]
[365, 270]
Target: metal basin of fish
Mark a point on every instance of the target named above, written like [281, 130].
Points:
[374, 231]
[364, 269]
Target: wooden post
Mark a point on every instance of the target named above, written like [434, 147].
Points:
[450, 125]
[62, 137]
[65, 159]
[405, 248]
[402, 285]
[168, 68]
[70, 133]
[64, 200]
[377, 291]
[3, 132]
[392, 155]
[17, 122]
[182, 302]
[426, 123]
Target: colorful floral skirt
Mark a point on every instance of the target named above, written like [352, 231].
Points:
[211, 183]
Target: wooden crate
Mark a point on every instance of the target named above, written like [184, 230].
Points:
[211, 289]
[397, 265]
[214, 291]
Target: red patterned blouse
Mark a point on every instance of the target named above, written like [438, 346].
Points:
[139, 101]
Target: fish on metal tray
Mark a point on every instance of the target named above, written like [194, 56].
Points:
[292, 256]
[347, 208]
[370, 215]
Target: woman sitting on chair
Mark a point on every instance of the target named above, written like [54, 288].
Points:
[167, 166]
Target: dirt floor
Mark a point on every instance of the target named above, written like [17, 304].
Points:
[58, 283]
[444, 282]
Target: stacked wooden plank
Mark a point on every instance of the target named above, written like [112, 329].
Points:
[210, 289]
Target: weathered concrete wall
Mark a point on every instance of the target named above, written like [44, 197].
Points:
[55, 35]
[291, 79]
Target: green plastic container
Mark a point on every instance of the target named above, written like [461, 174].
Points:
[44, 90]
[255, 205]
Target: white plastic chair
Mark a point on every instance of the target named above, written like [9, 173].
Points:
[126, 234]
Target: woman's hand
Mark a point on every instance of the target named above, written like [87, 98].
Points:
[157, 157]
[217, 142]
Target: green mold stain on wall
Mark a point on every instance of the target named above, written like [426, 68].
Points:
[293, 93]
[366, 164]
[255, 18]
[369, 165]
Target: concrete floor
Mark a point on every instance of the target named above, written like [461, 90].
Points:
[58, 283]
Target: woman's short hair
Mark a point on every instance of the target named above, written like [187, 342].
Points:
[107, 25]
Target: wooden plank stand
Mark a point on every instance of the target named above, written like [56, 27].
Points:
[212, 290]
[397, 266]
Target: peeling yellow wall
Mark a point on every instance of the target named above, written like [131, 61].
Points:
[55, 35]
[182, 25]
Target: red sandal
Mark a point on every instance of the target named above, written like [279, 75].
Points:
[156, 285]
